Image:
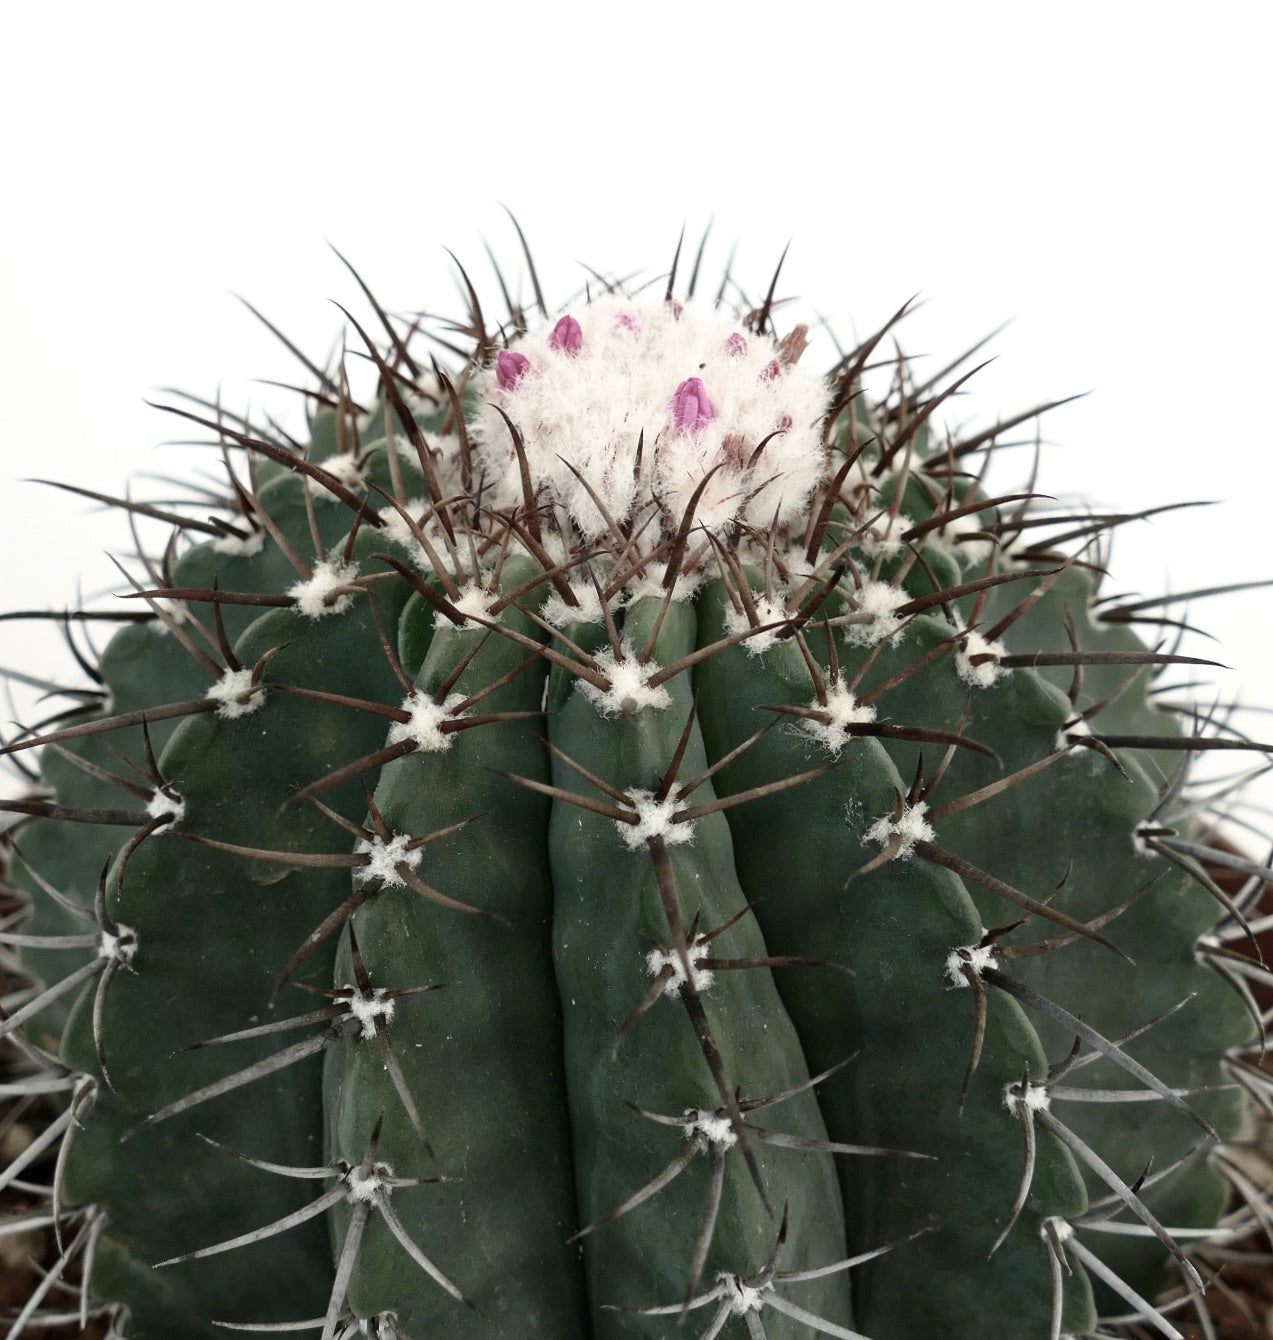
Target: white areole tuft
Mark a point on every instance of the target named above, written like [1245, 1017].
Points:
[654, 819]
[424, 726]
[906, 830]
[876, 605]
[383, 859]
[842, 711]
[977, 660]
[326, 591]
[629, 689]
[235, 695]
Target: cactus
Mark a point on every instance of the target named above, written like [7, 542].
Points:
[627, 837]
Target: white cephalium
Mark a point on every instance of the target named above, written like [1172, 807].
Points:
[644, 399]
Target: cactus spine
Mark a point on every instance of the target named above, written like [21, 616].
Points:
[626, 833]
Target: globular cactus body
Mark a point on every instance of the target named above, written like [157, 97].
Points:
[672, 851]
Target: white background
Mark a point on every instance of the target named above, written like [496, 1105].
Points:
[1097, 171]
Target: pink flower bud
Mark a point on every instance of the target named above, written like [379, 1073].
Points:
[771, 370]
[736, 345]
[691, 410]
[627, 323]
[510, 368]
[566, 336]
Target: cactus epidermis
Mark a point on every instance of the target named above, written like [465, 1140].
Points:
[626, 835]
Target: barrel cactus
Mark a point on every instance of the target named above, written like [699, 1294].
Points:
[624, 836]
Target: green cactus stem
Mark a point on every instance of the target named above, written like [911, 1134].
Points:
[625, 837]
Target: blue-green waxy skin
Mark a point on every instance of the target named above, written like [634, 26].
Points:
[1089, 844]
[910, 1029]
[483, 1053]
[609, 912]
[145, 666]
[203, 919]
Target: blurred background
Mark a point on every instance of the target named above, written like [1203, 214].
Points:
[1089, 172]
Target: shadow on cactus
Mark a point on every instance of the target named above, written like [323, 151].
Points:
[627, 837]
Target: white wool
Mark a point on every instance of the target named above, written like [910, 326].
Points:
[882, 535]
[657, 960]
[769, 610]
[968, 553]
[475, 602]
[1077, 726]
[1063, 1229]
[393, 525]
[745, 1297]
[878, 602]
[844, 711]
[1037, 1099]
[424, 727]
[909, 828]
[384, 859]
[162, 805]
[240, 546]
[121, 946]
[367, 1009]
[654, 819]
[394, 528]
[236, 695]
[978, 957]
[324, 592]
[713, 1128]
[629, 689]
[170, 612]
[587, 609]
[651, 584]
[985, 673]
[588, 408]
[365, 1186]
[347, 469]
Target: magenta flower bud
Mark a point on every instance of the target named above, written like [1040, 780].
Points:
[628, 323]
[691, 410]
[510, 368]
[566, 336]
[736, 345]
[771, 370]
